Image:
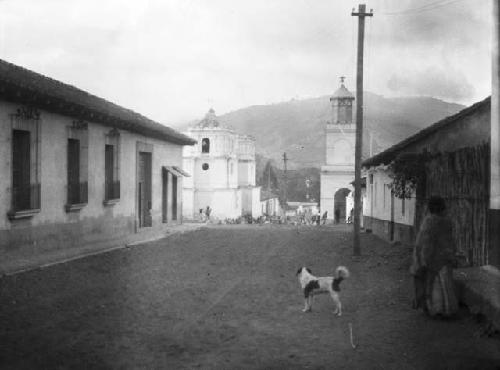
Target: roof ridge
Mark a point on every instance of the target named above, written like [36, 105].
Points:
[387, 154]
[34, 82]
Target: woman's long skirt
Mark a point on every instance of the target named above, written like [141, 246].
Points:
[441, 297]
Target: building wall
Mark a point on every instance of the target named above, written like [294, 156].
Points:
[218, 175]
[246, 173]
[250, 198]
[53, 226]
[340, 145]
[377, 214]
[225, 203]
[379, 200]
[377, 208]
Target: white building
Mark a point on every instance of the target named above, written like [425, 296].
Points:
[222, 166]
[78, 172]
[338, 172]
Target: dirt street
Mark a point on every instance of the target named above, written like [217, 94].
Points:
[226, 297]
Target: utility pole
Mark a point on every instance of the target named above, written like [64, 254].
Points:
[268, 176]
[285, 159]
[361, 14]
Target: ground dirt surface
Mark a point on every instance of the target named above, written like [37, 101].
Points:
[226, 297]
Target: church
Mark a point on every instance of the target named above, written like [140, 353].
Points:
[338, 171]
[222, 168]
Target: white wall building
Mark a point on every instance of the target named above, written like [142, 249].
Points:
[338, 172]
[222, 166]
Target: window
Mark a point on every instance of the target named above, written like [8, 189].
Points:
[204, 166]
[77, 166]
[22, 191]
[25, 201]
[205, 145]
[111, 168]
[77, 190]
[403, 206]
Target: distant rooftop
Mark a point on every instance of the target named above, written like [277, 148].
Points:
[20, 85]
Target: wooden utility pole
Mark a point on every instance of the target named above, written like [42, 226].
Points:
[361, 14]
[268, 176]
[285, 159]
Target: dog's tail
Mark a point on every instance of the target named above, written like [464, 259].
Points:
[341, 273]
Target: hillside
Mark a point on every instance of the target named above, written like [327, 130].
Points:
[297, 126]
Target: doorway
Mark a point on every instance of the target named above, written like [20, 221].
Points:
[144, 189]
[340, 205]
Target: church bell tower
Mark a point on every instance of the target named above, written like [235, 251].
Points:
[338, 171]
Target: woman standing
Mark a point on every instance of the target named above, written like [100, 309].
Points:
[433, 260]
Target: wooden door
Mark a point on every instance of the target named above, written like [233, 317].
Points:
[144, 190]
[164, 192]
[174, 197]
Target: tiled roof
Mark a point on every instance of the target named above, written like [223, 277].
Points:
[18, 84]
[390, 154]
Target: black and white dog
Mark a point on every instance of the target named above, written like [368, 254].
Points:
[312, 285]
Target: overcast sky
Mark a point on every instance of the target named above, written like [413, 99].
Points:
[172, 60]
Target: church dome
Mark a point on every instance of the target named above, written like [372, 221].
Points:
[342, 92]
[209, 121]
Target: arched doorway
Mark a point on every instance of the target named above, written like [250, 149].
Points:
[339, 205]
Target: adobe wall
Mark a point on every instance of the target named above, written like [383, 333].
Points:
[53, 226]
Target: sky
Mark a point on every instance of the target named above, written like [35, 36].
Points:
[172, 60]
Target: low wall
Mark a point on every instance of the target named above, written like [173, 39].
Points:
[33, 240]
[49, 236]
[382, 228]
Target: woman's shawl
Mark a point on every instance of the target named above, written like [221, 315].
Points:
[434, 247]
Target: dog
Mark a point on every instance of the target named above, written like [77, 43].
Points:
[312, 285]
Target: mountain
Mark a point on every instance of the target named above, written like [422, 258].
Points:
[297, 126]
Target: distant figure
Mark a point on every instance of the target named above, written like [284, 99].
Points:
[325, 216]
[349, 220]
[337, 216]
[433, 260]
[202, 216]
[208, 210]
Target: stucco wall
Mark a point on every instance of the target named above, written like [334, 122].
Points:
[225, 203]
[53, 223]
[378, 199]
[340, 147]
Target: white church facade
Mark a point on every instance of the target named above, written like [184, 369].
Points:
[338, 171]
[222, 168]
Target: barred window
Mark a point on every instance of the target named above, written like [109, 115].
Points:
[25, 191]
[111, 167]
[77, 166]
